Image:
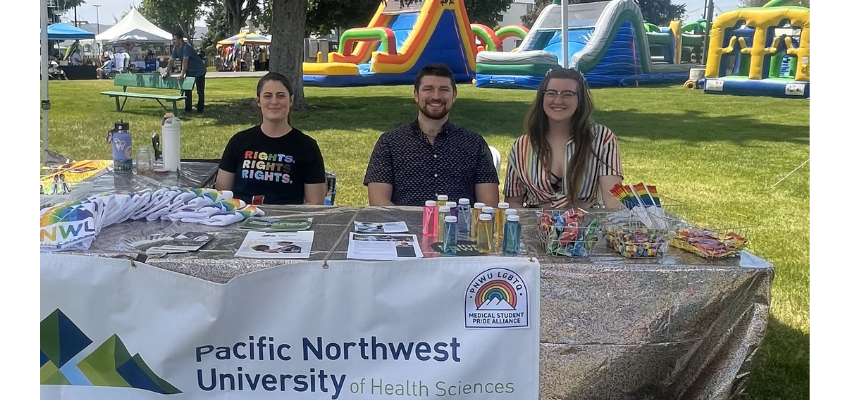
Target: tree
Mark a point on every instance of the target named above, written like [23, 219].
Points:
[486, 12]
[286, 54]
[60, 6]
[217, 26]
[325, 15]
[539, 5]
[173, 15]
[236, 12]
[660, 12]
[264, 18]
[65, 5]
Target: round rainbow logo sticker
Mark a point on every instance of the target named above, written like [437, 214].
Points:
[496, 292]
[496, 298]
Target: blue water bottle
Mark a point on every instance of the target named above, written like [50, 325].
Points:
[122, 147]
[464, 215]
[513, 233]
[450, 236]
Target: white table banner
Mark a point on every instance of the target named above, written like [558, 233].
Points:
[460, 328]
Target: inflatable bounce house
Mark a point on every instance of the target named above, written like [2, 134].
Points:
[400, 40]
[608, 42]
[488, 40]
[677, 43]
[760, 52]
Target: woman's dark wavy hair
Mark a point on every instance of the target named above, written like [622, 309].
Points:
[277, 77]
[581, 127]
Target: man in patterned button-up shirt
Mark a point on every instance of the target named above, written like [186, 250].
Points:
[418, 161]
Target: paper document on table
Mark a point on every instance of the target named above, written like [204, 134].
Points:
[382, 246]
[276, 245]
[160, 244]
[380, 227]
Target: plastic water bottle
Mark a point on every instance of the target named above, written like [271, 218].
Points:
[442, 199]
[452, 208]
[122, 147]
[429, 219]
[441, 220]
[499, 225]
[450, 236]
[485, 233]
[171, 142]
[473, 228]
[464, 213]
[513, 233]
[492, 212]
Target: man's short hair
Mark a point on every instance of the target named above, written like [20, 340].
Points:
[435, 69]
[178, 35]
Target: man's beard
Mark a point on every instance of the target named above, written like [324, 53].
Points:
[434, 115]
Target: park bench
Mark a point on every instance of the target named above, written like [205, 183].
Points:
[150, 81]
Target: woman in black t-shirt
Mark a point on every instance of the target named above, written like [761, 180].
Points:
[273, 163]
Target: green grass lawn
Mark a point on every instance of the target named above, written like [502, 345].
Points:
[719, 155]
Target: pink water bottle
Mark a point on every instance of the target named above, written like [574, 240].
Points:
[429, 219]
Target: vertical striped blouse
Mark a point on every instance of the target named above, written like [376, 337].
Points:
[526, 176]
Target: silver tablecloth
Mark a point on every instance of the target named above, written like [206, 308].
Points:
[191, 174]
[681, 327]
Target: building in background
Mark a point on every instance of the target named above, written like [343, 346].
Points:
[512, 16]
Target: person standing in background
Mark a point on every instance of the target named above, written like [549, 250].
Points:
[191, 65]
[119, 64]
[76, 57]
[264, 60]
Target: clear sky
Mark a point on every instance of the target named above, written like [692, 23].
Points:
[694, 8]
[111, 10]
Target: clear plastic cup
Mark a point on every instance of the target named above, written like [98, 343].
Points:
[144, 159]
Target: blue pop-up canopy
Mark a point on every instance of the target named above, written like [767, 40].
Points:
[61, 31]
[57, 31]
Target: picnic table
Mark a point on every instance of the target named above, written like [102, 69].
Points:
[150, 82]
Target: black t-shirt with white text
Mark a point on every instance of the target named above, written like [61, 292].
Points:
[277, 168]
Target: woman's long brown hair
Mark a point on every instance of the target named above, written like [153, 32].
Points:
[581, 128]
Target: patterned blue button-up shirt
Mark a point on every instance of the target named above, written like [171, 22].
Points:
[419, 171]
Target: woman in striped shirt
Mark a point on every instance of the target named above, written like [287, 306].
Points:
[564, 159]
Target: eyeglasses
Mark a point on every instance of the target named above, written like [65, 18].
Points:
[564, 94]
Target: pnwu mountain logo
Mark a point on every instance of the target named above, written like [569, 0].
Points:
[496, 298]
[110, 364]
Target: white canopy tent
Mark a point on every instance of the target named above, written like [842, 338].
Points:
[129, 34]
[134, 23]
